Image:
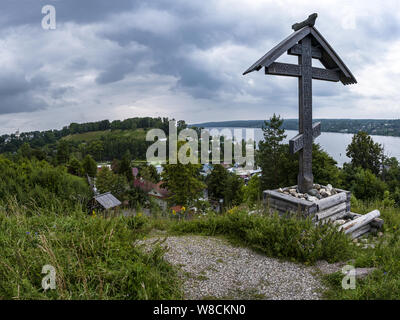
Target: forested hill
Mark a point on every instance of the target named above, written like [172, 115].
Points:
[371, 126]
[105, 130]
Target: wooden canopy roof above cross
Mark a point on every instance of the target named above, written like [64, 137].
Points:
[335, 70]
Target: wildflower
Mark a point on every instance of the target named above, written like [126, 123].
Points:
[183, 208]
[28, 232]
[139, 214]
[173, 212]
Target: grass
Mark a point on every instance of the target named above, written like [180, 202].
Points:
[139, 134]
[94, 258]
[384, 282]
[99, 258]
[297, 240]
[288, 238]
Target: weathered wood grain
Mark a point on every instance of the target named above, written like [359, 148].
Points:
[336, 216]
[289, 198]
[297, 142]
[359, 222]
[283, 69]
[331, 201]
[359, 232]
[377, 223]
[330, 211]
[279, 49]
[296, 51]
[325, 74]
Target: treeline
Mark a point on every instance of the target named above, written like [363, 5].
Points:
[37, 139]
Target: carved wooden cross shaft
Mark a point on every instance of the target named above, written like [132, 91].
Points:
[307, 131]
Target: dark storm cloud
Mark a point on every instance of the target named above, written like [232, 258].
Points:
[20, 12]
[197, 30]
[17, 94]
[122, 65]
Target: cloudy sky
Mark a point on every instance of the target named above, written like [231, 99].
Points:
[185, 59]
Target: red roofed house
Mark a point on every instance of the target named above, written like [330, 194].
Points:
[154, 190]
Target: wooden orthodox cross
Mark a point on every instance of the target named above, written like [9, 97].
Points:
[306, 43]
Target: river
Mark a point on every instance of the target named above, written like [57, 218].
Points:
[334, 143]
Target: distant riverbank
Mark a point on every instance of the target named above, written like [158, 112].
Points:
[381, 127]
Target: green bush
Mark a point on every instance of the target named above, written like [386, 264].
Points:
[38, 184]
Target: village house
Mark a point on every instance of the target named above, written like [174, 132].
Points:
[154, 190]
[104, 201]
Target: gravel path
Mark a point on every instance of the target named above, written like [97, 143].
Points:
[214, 269]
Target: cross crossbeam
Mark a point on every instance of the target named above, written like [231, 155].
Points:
[294, 70]
[297, 143]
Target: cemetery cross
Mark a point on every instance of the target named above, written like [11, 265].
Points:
[306, 43]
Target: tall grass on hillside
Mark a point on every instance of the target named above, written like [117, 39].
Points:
[39, 184]
[384, 282]
[94, 257]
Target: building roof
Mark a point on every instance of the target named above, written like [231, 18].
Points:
[177, 208]
[107, 200]
[148, 186]
[329, 58]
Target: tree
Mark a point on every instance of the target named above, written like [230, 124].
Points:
[75, 167]
[233, 191]
[364, 153]
[149, 173]
[89, 166]
[136, 196]
[96, 149]
[216, 182]
[107, 181]
[39, 154]
[183, 181]
[222, 184]
[252, 192]
[25, 150]
[82, 150]
[63, 152]
[124, 167]
[271, 152]
[324, 167]
[367, 186]
[391, 173]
